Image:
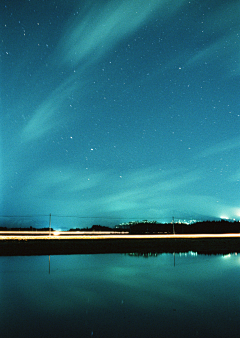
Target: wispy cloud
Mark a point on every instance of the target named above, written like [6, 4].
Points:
[221, 147]
[206, 205]
[140, 192]
[63, 181]
[46, 117]
[223, 24]
[101, 192]
[144, 194]
[225, 48]
[235, 177]
[85, 41]
[104, 26]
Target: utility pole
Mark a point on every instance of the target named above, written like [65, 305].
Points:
[50, 225]
[173, 225]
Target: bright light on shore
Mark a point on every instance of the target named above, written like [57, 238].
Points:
[224, 217]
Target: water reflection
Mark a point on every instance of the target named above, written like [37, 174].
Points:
[120, 295]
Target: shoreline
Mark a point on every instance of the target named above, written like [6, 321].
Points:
[36, 247]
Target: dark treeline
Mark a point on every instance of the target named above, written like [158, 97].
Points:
[145, 227]
[24, 229]
[94, 228]
[205, 227]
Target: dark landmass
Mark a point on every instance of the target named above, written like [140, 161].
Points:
[153, 227]
[97, 228]
[5, 229]
[100, 246]
[205, 227]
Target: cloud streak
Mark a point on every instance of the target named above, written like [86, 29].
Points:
[103, 27]
[222, 147]
[224, 48]
[103, 193]
[47, 116]
[84, 42]
[144, 194]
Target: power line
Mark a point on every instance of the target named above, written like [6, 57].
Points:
[86, 217]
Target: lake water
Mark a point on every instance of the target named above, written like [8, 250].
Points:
[118, 295]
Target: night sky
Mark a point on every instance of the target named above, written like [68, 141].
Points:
[114, 111]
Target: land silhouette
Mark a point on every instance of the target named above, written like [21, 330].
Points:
[151, 227]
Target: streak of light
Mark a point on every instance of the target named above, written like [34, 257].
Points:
[61, 233]
[11, 235]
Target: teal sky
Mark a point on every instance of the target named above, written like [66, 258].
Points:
[119, 110]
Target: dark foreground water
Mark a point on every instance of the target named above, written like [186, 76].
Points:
[117, 295]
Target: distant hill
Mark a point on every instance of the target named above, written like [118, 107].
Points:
[205, 227]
